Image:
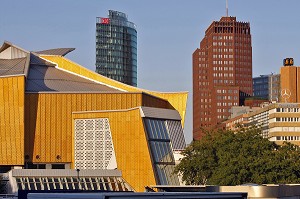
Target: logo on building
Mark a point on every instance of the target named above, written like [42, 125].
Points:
[105, 20]
[285, 94]
[288, 62]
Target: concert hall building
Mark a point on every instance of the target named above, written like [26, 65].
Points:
[61, 125]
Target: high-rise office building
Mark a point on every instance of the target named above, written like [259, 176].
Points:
[261, 86]
[222, 73]
[267, 87]
[116, 48]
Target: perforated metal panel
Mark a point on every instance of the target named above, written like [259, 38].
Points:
[93, 144]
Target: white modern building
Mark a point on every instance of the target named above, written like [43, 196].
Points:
[278, 121]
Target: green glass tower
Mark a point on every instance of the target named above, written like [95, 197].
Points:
[116, 48]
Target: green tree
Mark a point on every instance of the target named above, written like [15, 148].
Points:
[233, 158]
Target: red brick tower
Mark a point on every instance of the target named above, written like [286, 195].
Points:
[222, 73]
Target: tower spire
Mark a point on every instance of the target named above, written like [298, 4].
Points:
[226, 8]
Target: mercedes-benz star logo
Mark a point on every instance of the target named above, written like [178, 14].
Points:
[285, 94]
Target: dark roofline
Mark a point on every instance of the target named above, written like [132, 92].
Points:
[7, 44]
[56, 51]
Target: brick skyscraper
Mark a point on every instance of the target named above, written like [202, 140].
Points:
[222, 73]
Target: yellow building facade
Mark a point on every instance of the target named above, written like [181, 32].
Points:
[57, 114]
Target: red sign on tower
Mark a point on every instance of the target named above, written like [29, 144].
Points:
[105, 20]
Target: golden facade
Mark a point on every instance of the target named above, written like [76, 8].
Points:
[44, 93]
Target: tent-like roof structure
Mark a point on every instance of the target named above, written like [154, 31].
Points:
[50, 71]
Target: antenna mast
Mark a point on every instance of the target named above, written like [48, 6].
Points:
[226, 8]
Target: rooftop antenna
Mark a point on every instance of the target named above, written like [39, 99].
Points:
[226, 8]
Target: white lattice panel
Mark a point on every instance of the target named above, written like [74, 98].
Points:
[93, 144]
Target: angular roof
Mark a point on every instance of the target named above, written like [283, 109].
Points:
[12, 66]
[43, 76]
[13, 60]
[56, 51]
[49, 71]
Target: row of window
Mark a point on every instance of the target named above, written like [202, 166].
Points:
[223, 74]
[72, 183]
[107, 40]
[222, 50]
[223, 62]
[226, 91]
[227, 97]
[219, 110]
[222, 68]
[288, 138]
[205, 106]
[230, 44]
[205, 93]
[287, 119]
[206, 119]
[114, 35]
[109, 54]
[222, 37]
[220, 81]
[111, 28]
[116, 66]
[202, 77]
[227, 104]
[105, 59]
[205, 100]
[203, 65]
[264, 116]
[232, 30]
[222, 117]
[116, 47]
[241, 63]
[222, 43]
[203, 83]
[117, 26]
[289, 110]
[230, 37]
[222, 56]
[249, 83]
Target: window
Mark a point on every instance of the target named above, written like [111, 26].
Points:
[161, 151]
[58, 166]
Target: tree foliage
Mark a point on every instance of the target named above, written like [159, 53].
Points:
[234, 158]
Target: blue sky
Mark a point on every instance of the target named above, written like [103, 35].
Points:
[168, 33]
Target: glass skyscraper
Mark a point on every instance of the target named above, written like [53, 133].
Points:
[116, 48]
